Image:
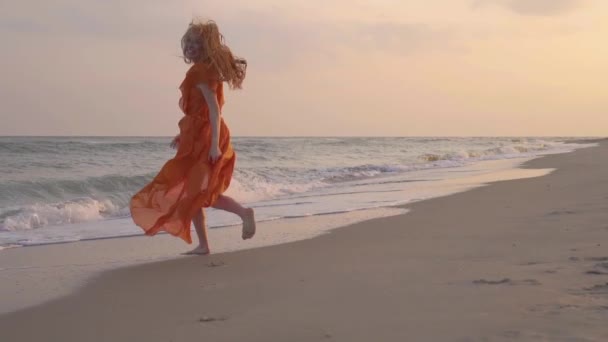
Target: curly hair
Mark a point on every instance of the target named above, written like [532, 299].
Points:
[232, 69]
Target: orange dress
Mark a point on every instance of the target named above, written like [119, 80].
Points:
[189, 181]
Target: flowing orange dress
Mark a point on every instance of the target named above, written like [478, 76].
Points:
[188, 182]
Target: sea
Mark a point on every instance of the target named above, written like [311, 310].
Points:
[67, 189]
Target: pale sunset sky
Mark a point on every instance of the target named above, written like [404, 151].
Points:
[316, 68]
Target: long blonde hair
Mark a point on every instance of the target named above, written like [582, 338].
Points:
[232, 69]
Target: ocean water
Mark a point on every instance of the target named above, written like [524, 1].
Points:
[60, 189]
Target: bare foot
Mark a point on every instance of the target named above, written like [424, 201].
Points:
[248, 224]
[200, 250]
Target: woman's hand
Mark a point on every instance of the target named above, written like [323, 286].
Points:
[214, 154]
[175, 142]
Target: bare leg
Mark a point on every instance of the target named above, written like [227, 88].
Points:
[246, 214]
[201, 231]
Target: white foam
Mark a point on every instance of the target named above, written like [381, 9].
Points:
[9, 246]
[75, 211]
[250, 188]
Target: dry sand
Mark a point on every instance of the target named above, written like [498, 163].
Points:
[520, 260]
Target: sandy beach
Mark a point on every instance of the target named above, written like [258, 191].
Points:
[518, 260]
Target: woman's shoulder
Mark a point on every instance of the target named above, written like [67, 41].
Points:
[202, 71]
[202, 67]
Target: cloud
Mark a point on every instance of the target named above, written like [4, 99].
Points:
[275, 40]
[399, 38]
[533, 7]
[270, 37]
[111, 19]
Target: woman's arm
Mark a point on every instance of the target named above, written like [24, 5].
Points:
[214, 119]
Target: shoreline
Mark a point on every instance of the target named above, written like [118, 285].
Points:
[68, 277]
[103, 214]
[497, 170]
[393, 255]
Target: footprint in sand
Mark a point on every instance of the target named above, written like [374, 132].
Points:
[553, 308]
[597, 259]
[493, 282]
[552, 271]
[215, 264]
[208, 319]
[531, 263]
[561, 212]
[506, 281]
[529, 282]
[602, 265]
[598, 289]
[600, 268]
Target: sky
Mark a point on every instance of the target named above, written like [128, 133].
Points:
[315, 68]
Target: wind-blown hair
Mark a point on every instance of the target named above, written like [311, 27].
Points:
[214, 51]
